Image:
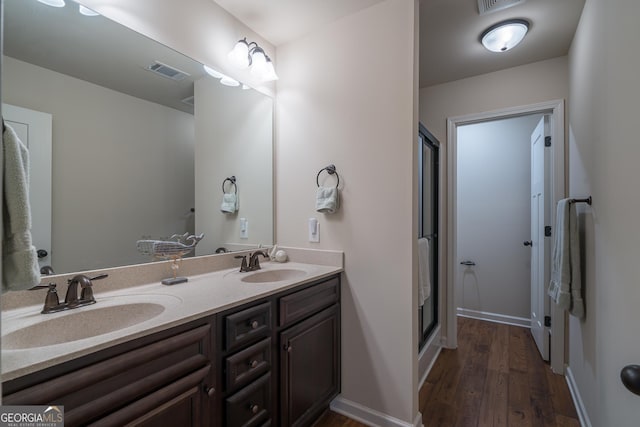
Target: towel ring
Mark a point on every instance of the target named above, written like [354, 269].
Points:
[231, 179]
[331, 170]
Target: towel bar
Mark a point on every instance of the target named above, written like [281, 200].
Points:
[231, 179]
[587, 200]
[331, 170]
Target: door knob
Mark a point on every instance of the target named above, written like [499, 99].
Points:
[630, 376]
[42, 253]
[528, 243]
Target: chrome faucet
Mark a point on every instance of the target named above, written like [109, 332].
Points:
[52, 302]
[254, 264]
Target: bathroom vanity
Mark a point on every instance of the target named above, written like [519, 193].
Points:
[272, 359]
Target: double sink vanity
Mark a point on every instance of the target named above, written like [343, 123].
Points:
[227, 348]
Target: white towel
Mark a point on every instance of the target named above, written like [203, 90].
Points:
[565, 287]
[424, 271]
[229, 203]
[327, 199]
[19, 259]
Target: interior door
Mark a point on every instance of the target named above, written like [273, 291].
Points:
[540, 245]
[34, 130]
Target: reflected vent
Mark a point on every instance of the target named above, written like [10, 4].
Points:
[165, 70]
[489, 6]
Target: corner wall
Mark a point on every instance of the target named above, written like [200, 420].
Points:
[347, 95]
[604, 153]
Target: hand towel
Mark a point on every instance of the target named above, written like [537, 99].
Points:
[424, 271]
[19, 259]
[565, 287]
[327, 199]
[229, 203]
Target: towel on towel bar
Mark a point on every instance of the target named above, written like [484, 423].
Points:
[566, 284]
[229, 203]
[327, 199]
[19, 259]
[424, 271]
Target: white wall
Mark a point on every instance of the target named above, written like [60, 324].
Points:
[494, 187]
[604, 153]
[527, 84]
[347, 95]
[241, 122]
[118, 161]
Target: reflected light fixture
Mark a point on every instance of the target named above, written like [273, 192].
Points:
[86, 11]
[213, 73]
[250, 55]
[228, 81]
[54, 3]
[504, 35]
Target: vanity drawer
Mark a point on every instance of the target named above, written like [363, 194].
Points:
[248, 364]
[247, 326]
[306, 302]
[251, 406]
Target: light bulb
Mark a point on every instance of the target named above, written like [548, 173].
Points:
[239, 55]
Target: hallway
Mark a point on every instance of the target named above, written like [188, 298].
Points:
[495, 378]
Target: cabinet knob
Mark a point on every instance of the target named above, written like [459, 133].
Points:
[253, 364]
[254, 408]
[254, 324]
[210, 391]
[287, 347]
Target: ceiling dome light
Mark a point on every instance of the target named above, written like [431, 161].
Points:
[54, 3]
[504, 35]
[86, 11]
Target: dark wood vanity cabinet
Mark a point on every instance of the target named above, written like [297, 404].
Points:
[271, 362]
[163, 379]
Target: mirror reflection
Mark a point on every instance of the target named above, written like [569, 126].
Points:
[129, 140]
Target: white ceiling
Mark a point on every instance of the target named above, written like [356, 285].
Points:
[449, 30]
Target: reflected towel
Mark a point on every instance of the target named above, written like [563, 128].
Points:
[327, 199]
[19, 259]
[565, 287]
[229, 203]
[424, 271]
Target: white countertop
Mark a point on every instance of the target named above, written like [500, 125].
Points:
[202, 295]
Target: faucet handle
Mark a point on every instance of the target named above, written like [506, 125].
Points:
[51, 301]
[243, 265]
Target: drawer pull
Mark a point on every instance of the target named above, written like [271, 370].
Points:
[253, 364]
[254, 324]
[254, 408]
[210, 391]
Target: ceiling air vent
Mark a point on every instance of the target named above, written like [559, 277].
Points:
[165, 70]
[489, 6]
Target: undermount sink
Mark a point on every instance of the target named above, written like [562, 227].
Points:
[84, 323]
[267, 276]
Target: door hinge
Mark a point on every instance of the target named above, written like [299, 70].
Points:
[547, 231]
[547, 141]
[547, 321]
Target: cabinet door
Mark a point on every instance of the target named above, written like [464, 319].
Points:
[310, 367]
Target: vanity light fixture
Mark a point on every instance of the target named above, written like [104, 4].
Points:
[504, 35]
[54, 3]
[245, 55]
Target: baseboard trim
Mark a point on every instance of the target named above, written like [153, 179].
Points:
[428, 356]
[495, 317]
[577, 400]
[369, 416]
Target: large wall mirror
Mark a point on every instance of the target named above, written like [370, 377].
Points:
[141, 140]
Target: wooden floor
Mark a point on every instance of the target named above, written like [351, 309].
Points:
[495, 378]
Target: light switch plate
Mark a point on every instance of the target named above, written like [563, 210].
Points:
[314, 230]
[244, 228]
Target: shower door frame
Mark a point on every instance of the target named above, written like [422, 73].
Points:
[426, 138]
